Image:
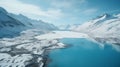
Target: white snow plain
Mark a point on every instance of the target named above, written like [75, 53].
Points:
[61, 34]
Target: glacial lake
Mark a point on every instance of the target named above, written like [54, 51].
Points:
[84, 53]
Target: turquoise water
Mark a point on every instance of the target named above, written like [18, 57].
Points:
[84, 53]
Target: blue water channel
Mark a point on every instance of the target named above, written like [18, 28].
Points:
[84, 53]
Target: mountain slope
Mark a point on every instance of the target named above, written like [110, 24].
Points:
[38, 24]
[6, 20]
[25, 20]
[105, 26]
[8, 25]
[11, 24]
[68, 27]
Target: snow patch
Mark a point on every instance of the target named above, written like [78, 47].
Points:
[61, 34]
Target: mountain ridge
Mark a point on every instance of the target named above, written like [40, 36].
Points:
[106, 26]
[12, 24]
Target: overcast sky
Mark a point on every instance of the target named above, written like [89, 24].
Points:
[61, 11]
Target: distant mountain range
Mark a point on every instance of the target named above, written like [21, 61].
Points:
[105, 27]
[11, 24]
[68, 27]
[39, 24]
[102, 28]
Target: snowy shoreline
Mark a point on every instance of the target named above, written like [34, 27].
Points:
[57, 35]
[27, 49]
[46, 60]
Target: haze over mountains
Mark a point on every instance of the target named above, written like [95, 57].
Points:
[104, 26]
[11, 24]
[36, 36]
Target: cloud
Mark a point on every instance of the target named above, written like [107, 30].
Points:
[65, 3]
[18, 7]
[82, 1]
[61, 4]
[90, 11]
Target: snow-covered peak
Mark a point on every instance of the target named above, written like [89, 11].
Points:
[102, 18]
[105, 26]
[117, 15]
[2, 10]
[32, 23]
[106, 15]
[8, 25]
[68, 26]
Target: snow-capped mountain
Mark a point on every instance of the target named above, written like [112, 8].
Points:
[39, 24]
[9, 25]
[25, 20]
[8, 21]
[105, 26]
[68, 27]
